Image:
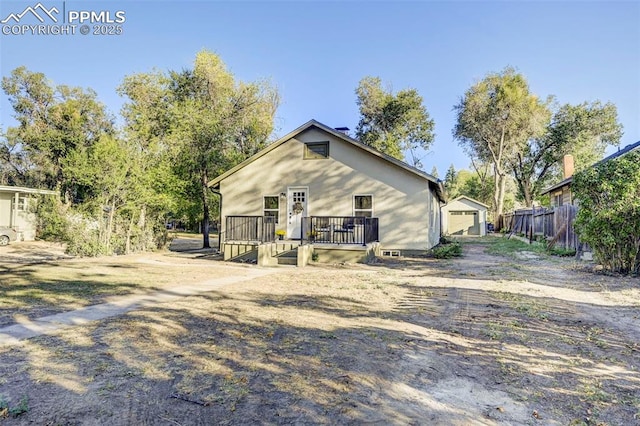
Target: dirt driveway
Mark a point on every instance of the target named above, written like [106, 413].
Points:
[481, 340]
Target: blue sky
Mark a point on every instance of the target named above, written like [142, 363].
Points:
[316, 52]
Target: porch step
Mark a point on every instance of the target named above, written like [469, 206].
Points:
[288, 261]
[289, 257]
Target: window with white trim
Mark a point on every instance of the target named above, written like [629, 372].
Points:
[22, 203]
[363, 205]
[272, 206]
[558, 198]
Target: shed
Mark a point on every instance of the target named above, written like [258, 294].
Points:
[464, 216]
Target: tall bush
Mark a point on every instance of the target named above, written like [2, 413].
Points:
[609, 215]
[51, 219]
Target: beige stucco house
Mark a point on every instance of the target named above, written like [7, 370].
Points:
[464, 216]
[16, 210]
[320, 186]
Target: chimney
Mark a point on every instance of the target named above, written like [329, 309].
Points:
[567, 166]
[343, 130]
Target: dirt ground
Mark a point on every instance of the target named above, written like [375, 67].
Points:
[480, 340]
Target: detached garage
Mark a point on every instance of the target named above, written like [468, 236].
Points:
[464, 216]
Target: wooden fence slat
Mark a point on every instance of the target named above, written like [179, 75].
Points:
[555, 224]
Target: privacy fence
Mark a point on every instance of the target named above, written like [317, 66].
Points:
[554, 224]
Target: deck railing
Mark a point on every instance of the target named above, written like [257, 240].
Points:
[358, 230]
[354, 230]
[250, 228]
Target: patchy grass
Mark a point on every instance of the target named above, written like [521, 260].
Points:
[562, 252]
[528, 306]
[504, 246]
[7, 410]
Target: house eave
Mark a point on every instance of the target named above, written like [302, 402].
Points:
[25, 190]
[558, 185]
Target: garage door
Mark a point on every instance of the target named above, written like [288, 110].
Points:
[464, 223]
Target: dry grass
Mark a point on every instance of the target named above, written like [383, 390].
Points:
[35, 290]
[411, 341]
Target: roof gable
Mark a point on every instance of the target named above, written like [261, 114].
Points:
[434, 182]
[471, 200]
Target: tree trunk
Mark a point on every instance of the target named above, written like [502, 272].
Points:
[503, 185]
[127, 247]
[526, 193]
[498, 194]
[142, 223]
[112, 214]
[205, 212]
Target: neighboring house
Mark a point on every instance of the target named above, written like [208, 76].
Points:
[464, 216]
[16, 210]
[319, 185]
[560, 193]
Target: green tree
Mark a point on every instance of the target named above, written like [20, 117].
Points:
[112, 185]
[393, 124]
[205, 119]
[149, 125]
[53, 122]
[496, 119]
[609, 215]
[583, 130]
[451, 183]
[104, 172]
[15, 168]
[221, 122]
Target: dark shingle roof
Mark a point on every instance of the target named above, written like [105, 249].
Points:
[627, 149]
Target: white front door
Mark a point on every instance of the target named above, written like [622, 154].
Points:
[296, 210]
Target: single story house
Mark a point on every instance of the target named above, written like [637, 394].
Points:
[16, 210]
[464, 216]
[319, 186]
[560, 193]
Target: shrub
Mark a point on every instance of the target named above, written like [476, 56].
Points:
[609, 215]
[51, 220]
[447, 251]
[83, 237]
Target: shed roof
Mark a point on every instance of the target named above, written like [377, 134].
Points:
[468, 199]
